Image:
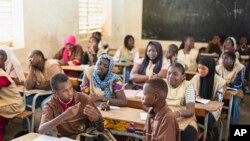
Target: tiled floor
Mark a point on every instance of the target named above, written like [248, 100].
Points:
[16, 126]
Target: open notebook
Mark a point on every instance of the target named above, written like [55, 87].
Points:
[202, 100]
[49, 138]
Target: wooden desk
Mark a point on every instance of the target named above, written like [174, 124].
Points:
[27, 137]
[4, 103]
[32, 91]
[203, 110]
[75, 68]
[190, 74]
[36, 136]
[229, 95]
[37, 93]
[133, 115]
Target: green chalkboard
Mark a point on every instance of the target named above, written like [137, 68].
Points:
[174, 19]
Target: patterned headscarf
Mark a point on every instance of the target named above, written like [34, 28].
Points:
[109, 78]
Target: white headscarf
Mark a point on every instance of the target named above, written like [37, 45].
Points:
[12, 61]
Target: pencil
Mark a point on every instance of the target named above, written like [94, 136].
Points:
[107, 104]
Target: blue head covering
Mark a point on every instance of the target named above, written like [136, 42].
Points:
[109, 78]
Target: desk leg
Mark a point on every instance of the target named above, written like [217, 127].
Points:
[229, 117]
[124, 74]
[205, 126]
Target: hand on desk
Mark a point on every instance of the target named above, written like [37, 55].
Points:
[104, 106]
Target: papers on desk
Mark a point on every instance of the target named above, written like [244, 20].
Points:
[114, 108]
[143, 115]
[49, 138]
[231, 89]
[202, 100]
[134, 93]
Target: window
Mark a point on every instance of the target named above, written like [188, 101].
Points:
[90, 16]
[6, 21]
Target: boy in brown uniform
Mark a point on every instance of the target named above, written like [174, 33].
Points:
[69, 112]
[161, 123]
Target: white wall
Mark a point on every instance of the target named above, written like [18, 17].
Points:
[127, 19]
[45, 24]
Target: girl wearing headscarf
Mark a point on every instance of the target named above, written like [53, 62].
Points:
[71, 52]
[233, 73]
[105, 88]
[152, 66]
[9, 93]
[12, 65]
[208, 85]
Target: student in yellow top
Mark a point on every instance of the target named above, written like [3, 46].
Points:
[181, 97]
[8, 92]
[188, 54]
[152, 66]
[208, 85]
[233, 73]
[128, 51]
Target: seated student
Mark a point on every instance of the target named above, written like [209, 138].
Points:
[40, 73]
[243, 48]
[127, 52]
[102, 84]
[71, 52]
[233, 73]
[8, 92]
[68, 113]
[161, 123]
[105, 88]
[188, 54]
[208, 85]
[214, 46]
[93, 52]
[172, 52]
[181, 95]
[101, 45]
[230, 45]
[152, 66]
[12, 66]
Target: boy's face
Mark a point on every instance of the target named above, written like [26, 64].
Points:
[65, 91]
[149, 97]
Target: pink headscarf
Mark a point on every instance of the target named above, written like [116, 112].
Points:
[70, 39]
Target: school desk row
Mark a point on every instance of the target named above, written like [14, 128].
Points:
[135, 105]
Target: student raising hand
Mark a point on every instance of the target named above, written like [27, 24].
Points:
[92, 113]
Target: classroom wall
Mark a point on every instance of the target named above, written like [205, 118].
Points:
[45, 24]
[127, 19]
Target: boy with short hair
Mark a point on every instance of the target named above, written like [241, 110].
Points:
[161, 123]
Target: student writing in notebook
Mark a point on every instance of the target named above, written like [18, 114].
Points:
[208, 85]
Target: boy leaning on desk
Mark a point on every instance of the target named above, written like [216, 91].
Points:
[69, 113]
